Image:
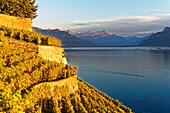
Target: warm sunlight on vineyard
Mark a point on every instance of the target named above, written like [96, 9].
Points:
[29, 36]
[28, 83]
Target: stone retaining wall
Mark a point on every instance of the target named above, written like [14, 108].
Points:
[15, 22]
[69, 83]
[52, 53]
[58, 88]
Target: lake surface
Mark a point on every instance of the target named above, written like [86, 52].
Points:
[137, 77]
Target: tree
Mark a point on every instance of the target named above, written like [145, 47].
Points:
[19, 8]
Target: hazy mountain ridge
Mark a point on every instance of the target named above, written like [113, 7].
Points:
[132, 39]
[102, 38]
[87, 39]
[135, 41]
[98, 34]
[161, 39]
[66, 38]
[107, 39]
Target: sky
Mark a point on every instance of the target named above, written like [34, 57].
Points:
[121, 17]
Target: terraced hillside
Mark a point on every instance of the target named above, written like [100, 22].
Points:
[30, 84]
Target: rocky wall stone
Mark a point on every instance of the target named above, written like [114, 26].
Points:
[57, 88]
[15, 22]
[52, 53]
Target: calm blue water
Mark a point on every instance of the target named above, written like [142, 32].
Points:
[138, 77]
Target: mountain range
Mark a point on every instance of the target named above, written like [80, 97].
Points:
[160, 39]
[103, 38]
[67, 39]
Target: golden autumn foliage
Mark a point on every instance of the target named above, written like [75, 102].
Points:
[29, 36]
[20, 70]
[26, 80]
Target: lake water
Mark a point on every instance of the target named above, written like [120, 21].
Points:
[137, 77]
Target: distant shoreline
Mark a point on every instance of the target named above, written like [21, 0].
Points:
[116, 48]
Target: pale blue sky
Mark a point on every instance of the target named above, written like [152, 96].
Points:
[122, 17]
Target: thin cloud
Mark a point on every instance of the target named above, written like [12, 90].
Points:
[131, 19]
[163, 15]
[129, 25]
